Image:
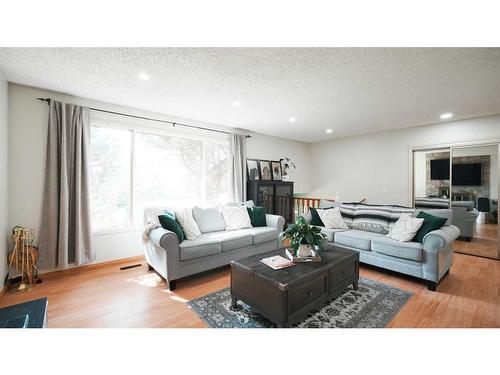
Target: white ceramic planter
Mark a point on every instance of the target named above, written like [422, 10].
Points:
[304, 250]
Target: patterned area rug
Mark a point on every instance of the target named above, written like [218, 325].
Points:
[373, 305]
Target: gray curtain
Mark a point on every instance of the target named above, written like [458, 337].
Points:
[238, 167]
[65, 232]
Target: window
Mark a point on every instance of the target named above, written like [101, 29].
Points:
[168, 169]
[133, 168]
[110, 178]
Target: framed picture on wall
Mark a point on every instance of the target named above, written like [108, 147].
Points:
[252, 170]
[265, 170]
[276, 169]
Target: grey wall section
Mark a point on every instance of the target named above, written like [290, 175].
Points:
[376, 166]
[3, 180]
[27, 142]
[266, 147]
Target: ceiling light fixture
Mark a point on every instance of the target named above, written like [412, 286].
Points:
[292, 119]
[329, 131]
[144, 76]
[236, 104]
[445, 116]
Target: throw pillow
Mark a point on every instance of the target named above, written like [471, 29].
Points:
[187, 222]
[209, 219]
[405, 228]
[332, 219]
[236, 217]
[257, 216]
[431, 223]
[168, 221]
[315, 219]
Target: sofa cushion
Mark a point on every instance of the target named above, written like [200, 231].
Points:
[447, 213]
[209, 219]
[359, 239]
[188, 223]
[332, 218]
[405, 250]
[372, 218]
[168, 221]
[232, 240]
[397, 212]
[431, 223]
[315, 219]
[262, 234]
[257, 216]
[201, 246]
[330, 233]
[236, 217]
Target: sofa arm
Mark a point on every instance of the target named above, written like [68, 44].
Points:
[164, 238]
[163, 253]
[440, 238]
[275, 221]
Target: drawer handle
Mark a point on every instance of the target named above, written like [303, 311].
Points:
[310, 294]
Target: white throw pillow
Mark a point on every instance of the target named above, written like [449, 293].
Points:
[187, 222]
[236, 217]
[405, 228]
[332, 218]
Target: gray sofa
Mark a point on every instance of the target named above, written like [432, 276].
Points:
[464, 213]
[464, 217]
[210, 250]
[430, 260]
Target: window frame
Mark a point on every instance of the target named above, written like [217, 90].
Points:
[143, 126]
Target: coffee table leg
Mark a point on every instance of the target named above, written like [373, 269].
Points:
[233, 300]
[355, 285]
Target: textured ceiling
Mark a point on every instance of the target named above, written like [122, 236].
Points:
[349, 90]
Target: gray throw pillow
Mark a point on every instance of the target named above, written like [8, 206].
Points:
[209, 219]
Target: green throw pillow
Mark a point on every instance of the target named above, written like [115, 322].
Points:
[257, 216]
[430, 223]
[315, 219]
[169, 222]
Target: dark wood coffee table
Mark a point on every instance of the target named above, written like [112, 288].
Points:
[284, 296]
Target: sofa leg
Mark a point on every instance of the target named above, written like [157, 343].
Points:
[431, 285]
[172, 284]
[150, 268]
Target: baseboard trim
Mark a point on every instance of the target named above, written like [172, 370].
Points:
[86, 267]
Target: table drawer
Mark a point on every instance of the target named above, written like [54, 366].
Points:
[341, 273]
[308, 292]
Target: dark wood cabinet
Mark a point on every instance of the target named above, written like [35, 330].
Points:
[275, 196]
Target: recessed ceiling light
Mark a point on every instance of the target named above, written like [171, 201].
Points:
[144, 76]
[445, 116]
[292, 119]
[236, 104]
[329, 131]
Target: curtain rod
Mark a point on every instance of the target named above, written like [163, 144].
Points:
[174, 124]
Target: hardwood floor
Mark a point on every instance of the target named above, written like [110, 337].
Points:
[483, 244]
[105, 296]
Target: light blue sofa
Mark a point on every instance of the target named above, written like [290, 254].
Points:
[214, 248]
[430, 260]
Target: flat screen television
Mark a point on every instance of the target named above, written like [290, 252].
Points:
[466, 174]
[463, 174]
[440, 169]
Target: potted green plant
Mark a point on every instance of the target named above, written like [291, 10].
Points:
[303, 237]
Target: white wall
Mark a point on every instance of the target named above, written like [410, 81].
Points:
[273, 148]
[27, 142]
[419, 165]
[376, 166]
[3, 180]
